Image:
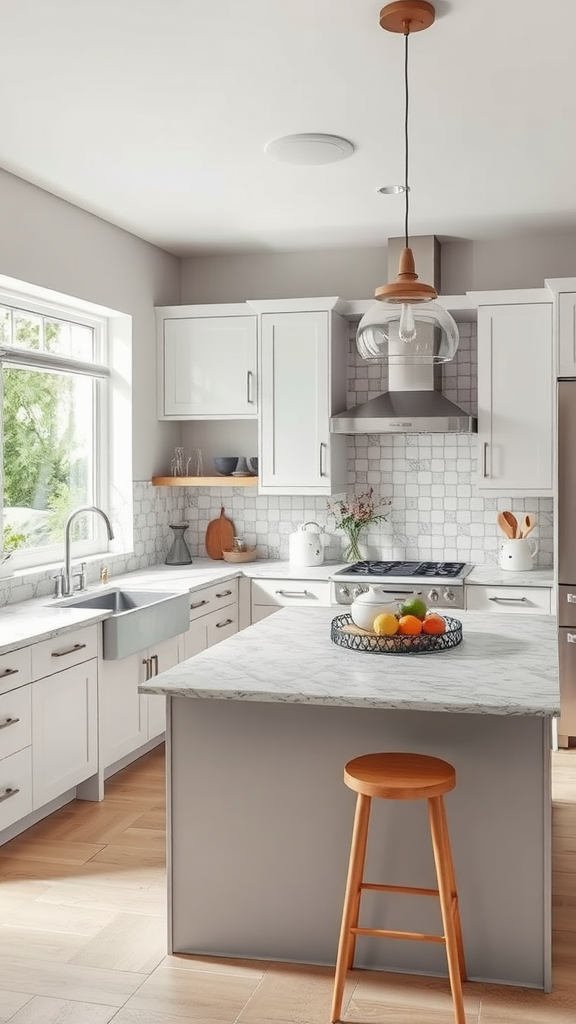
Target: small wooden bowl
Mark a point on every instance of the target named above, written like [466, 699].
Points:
[240, 556]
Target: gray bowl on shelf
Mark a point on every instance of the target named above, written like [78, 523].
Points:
[225, 465]
[252, 463]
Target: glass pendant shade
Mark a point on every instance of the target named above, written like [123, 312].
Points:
[422, 332]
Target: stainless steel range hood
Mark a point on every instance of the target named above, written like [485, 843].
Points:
[412, 404]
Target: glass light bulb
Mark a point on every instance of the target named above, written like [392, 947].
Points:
[407, 327]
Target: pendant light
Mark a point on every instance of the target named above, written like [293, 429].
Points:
[407, 325]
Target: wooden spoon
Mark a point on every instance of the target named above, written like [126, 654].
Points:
[506, 525]
[527, 525]
[513, 524]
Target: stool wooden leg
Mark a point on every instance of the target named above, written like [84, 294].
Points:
[351, 908]
[449, 908]
[453, 888]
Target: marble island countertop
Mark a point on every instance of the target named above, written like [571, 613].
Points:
[501, 668]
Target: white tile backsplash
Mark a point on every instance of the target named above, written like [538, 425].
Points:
[436, 512]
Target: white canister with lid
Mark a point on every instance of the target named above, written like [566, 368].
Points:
[306, 546]
[370, 603]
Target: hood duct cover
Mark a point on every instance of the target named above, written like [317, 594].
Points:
[412, 404]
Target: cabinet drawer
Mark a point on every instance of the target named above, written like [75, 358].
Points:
[218, 595]
[15, 720]
[63, 651]
[15, 787]
[535, 600]
[280, 593]
[15, 669]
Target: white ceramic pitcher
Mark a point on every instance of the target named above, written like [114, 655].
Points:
[517, 555]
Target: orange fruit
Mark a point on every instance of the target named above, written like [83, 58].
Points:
[433, 624]
[385, 624]
[409, 625]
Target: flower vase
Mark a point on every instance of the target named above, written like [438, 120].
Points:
[352, 552]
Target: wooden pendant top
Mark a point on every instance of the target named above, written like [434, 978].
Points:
[407, 16]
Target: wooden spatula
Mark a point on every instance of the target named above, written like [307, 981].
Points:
[219, 536]
[527, 525]
[505, 525]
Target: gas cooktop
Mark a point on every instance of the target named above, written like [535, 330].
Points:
[404, 570]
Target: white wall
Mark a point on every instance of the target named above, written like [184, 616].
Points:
[51, 243]
[521, 262]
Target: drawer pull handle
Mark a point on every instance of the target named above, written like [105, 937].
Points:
[9, 672]
[8, 793]
[225, 593]
[154, 665]
[70, 650]
[571, 598]
[9, 721]
[571, 638]
[198, 604]
[226, 622]
[294, 593]
[146, 663]
[509, 600]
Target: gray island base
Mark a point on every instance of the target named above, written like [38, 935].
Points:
[260, 820]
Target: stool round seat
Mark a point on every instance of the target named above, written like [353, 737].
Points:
[399, 776]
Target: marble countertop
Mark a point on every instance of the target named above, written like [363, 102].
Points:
[501, 668]
[494, 576]
[39, 619]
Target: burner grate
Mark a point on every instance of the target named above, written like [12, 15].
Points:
[446, 570]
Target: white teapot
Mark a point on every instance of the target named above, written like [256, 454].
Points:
[517, 555]
[306, 547]
[370, 603]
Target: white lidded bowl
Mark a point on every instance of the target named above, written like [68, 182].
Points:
[370, 603]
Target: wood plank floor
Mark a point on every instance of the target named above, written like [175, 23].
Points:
[83, 932]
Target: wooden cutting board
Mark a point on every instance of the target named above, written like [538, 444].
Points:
[219, 536]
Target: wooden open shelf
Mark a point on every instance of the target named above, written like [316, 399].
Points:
[205, 481]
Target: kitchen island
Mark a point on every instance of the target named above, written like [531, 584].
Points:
[259, 819]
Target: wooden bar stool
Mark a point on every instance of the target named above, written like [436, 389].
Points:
[393, 776]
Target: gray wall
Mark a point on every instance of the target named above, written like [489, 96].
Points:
[521, 262]
[48, 242]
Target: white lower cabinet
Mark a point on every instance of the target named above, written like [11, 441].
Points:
[269, 596]
[535, 600]
[129, 719]
[64, 730]
[15, 755]
[213, 617]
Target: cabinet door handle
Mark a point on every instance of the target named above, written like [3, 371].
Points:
[485, 459]
[571, 599]
[571, 638]
[294, 593]
[249, 387]
[225, 593]
[146, 662]
[154, 665]
[8, 793]
[509, 600]
[70, 650]
[323, 447]
[9, 672]
[9, 721]
[198, 604]
[226, 622]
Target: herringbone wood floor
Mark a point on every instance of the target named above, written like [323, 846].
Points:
[82, 933]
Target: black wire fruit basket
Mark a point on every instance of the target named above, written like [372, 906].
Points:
[345, 634]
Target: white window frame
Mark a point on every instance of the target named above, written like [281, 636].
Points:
[99, 370]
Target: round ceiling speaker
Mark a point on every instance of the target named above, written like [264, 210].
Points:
[309, 149]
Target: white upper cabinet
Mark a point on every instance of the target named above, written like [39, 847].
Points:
[567, 334]
[303, 359]
[515, 399]
[207, 362]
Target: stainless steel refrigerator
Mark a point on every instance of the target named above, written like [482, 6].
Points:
[566, 515]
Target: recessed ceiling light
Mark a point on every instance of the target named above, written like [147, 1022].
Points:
[309, 149]
[392, 190]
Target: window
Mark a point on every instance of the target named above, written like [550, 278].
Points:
[55, 380]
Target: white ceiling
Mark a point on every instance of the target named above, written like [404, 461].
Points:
[154, 114]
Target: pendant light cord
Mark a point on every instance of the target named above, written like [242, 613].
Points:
[406, 97]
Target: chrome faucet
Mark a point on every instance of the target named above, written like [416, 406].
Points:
[67, 578]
